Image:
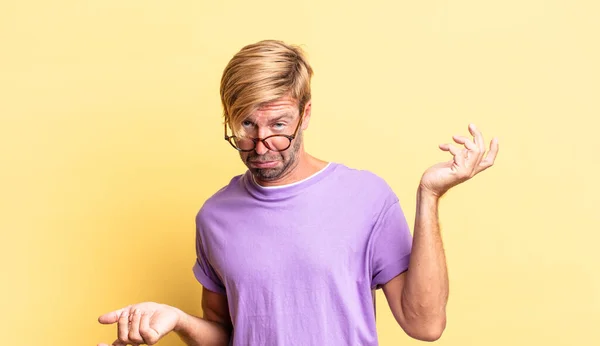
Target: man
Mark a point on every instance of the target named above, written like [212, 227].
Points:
[289, 252]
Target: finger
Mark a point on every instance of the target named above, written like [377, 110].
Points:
[112, 317]
[489, 159]
[477, 137]
[468, 143]
[459, 154]
[454, 150]
[123, 331]
[134, 328]
[149, 335]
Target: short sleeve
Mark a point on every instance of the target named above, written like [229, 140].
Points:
[203, 270]
[391, 243]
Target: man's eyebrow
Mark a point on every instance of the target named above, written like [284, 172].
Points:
[286, 115]
[282, 116]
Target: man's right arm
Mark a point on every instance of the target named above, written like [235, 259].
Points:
[213, 329]
[147, 323]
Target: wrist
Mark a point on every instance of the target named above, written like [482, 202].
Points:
[426, 195]
[182, 321]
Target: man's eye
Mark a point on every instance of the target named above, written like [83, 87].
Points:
[279, 126]
[246, 123]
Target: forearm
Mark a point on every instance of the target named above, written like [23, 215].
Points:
[195, 331]
[425, 292]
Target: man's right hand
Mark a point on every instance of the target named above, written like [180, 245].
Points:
[144, 323]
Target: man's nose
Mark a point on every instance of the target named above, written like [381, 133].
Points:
[261, 149]
[262, 132]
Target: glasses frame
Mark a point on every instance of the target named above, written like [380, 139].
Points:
[231, 139]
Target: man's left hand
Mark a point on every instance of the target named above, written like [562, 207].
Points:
[468, 160]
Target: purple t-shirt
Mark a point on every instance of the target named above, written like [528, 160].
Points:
[298, 262]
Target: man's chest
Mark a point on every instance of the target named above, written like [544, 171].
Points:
[289, 251]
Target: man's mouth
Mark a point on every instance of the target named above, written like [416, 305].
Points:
[263, 164]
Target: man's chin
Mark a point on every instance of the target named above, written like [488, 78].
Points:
[266, 174]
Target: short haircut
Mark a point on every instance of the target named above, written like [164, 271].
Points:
[261, 73]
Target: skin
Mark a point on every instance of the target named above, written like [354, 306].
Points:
[279, 168]
[417, 297]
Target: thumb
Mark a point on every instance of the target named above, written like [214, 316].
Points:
[111, 317]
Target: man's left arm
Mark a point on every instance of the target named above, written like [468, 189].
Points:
[418, 297]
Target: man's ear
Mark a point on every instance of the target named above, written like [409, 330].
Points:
[307, 112]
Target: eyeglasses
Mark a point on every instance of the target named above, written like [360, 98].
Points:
[273, 142]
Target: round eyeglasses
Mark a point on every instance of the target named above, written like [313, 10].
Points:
[273, 142]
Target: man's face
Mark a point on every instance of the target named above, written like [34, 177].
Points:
[278, 117]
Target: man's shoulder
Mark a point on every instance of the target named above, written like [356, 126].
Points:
[219, 199]
[365, 185]
[361, 178]
[233, 187]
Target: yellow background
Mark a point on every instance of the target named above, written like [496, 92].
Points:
[110, 141]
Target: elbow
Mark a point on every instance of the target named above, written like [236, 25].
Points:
[430, 334]
[430, 330]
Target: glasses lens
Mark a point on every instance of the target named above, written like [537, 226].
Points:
[278, 143]
[243, 143]
[274, 143]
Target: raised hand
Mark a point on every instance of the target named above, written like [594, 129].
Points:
[468, 160]
[144, 323]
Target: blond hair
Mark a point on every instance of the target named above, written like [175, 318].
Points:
[260, 73]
